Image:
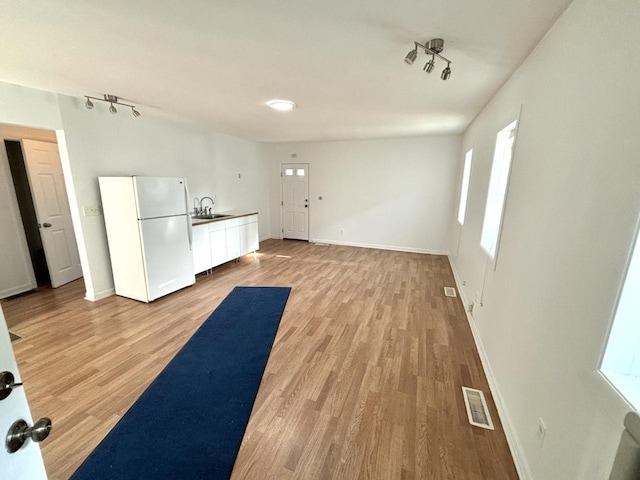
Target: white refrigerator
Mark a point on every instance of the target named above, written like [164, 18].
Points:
[149, 235]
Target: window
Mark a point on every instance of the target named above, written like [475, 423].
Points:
[497, 189]
[300, 172]
[621, 361]
[464, 191]
[288, 171]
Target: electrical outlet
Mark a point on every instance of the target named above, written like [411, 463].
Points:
[91, 210]
[542, 432]
[341, 230]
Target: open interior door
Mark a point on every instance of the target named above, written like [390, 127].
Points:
[17, 430]
[52, 208]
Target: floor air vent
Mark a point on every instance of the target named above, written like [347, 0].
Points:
[449, 292]
[477, 410]
[14, 336]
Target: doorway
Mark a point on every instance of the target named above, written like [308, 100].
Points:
[40, 241]
[295, 201]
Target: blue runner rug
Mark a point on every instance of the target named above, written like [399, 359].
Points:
[190, 422]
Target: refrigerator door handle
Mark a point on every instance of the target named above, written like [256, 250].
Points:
[186, 204]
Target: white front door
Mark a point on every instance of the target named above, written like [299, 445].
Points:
[295, 201]
[26, 463]
[52, 208]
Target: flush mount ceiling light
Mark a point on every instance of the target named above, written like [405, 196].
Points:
[432, 47]
[113, 101]
[281, 105]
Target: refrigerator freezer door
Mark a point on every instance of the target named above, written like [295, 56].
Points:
[167, 256]
[160, 197]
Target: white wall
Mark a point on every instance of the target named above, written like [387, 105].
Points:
[393, 193]
[241, 176]
[573, 203]
[29, 107]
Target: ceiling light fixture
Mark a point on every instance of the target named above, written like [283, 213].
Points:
[446, 73]
[281, 105]
[412, 55]
[428, 67]
[433, 47]
[113, 101]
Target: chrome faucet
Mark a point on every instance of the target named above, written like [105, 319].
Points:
[206, 210]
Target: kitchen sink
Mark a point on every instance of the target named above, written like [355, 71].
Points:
[209, 217]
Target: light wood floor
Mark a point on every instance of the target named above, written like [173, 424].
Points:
[363, 380]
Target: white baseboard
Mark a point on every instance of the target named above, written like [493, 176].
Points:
[381, 247]
[16, 290]
[94, 297]
[517, 452]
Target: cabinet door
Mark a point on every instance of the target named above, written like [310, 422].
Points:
[200, 249]
[233, 242]
[249, 238]
[218, 243]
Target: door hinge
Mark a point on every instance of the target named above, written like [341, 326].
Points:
[281, 174]
[282, 203]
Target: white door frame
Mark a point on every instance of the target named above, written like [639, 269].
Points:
[308, 168]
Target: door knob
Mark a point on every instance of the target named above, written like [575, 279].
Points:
[7, 384]
[20, 432]
[46, 225]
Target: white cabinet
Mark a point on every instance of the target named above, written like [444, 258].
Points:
[200, 249]
[233, 242]
[218, 242]
[249, 240]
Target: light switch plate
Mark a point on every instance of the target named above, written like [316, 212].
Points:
[91, 210]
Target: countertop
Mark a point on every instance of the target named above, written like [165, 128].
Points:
[231, 214]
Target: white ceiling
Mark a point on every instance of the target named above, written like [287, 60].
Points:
[217, 62]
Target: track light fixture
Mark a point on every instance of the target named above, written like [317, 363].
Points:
[113, 101]
[432, 47]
